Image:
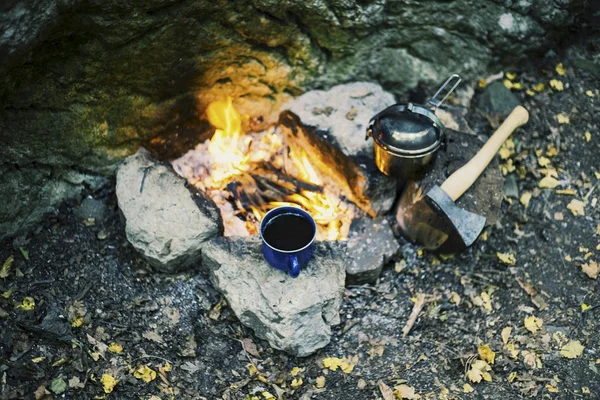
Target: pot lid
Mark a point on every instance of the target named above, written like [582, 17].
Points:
[407, 129]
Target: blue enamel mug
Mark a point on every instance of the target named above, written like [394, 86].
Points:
[288, 234]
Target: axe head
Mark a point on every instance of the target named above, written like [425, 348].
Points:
[434, 221]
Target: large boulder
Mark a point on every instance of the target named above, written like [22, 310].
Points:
[85, 83]
[293, 314]
[165, 220]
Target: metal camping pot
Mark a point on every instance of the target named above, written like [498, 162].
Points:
[407, 136]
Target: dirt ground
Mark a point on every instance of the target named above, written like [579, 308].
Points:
[76, 286]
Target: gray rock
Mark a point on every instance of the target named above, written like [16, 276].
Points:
[343, 112]
[496, 99]
[91, 208]
[371, 244]
[293, 315]
[511, 189]
[31, 191]
[167, 222]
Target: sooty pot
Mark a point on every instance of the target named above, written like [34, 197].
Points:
[407, 136]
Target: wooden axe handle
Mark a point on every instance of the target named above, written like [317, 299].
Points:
[462, 179]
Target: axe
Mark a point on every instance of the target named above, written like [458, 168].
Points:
[434, 220]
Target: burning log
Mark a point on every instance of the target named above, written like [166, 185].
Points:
[247, 175]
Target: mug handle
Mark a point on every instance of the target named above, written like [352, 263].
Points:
[295, 267]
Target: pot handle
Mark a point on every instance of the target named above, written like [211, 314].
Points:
[434, 101]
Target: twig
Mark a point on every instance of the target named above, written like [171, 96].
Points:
[145, 171]
[587, 196]
[83, 292]
[422, 299]
[113, 324]
[46, 282]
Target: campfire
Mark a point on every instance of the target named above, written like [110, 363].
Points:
[247, 174]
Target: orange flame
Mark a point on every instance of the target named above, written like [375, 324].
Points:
[233, 153]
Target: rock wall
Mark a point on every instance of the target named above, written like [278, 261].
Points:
[84, 83]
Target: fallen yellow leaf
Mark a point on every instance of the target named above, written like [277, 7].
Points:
[320, 382]
[507, 149]
[508, 84]
[548, 171]
[77, 322]
[589, 93]
[486, 353]
[517, 86]
[166, 368]
[455, 298]
[525, 199]
[512, 349]
[504, 153]
[28, 304]
[585, 390]
[507, 167]
[591, 269]
[109, 383]
[268, 396]
[543, 161]
[556, 85]
[385, 390]
[487, 301]
[506, 334]
[512, 376]
[115, 348]
[506, 258]
[588, 136]
[333, 363]
[482, 83]
[5, 270]
[37, 360]
[533, 324]
[551, 150]
[531, 359]
[405, 392]
[530, 92]
[467, 388]
[296, 382]
[573, 349]
[252, 370]
[479, 370]
[562, 118]
[551, 389]
[144, 373]
[576, 207]
[584, 307]
[539, 87]
[511, 75]
[560, 69]
[548, 182]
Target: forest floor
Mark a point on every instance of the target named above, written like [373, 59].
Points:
[82, 316]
